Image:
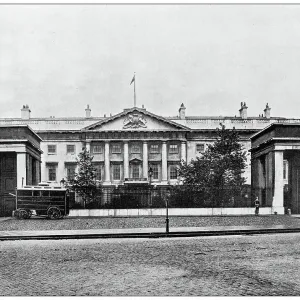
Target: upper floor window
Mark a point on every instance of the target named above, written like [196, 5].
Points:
[70, 149]
[154, 148]
[51, 149]
[116, 148]
[97, 149]
[200, 148]
[173, 148]
[135, 149]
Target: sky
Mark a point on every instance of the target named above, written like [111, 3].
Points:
[59, 58]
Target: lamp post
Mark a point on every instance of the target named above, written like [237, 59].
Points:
[150, 173]
[167, 210]
[62, 182]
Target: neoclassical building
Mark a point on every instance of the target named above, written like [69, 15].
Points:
[126, 145]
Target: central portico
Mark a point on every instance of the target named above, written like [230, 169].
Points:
[126, 145]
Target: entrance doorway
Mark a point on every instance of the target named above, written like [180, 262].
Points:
[8, 183]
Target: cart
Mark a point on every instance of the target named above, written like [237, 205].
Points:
[51, 202]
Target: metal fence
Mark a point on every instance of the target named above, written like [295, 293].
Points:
[130, 197]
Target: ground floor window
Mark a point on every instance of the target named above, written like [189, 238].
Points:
[98, 171]
[116, 170]
[155, 171]
[135, 171]
[52, 170]
[71, 170]
[173, 171]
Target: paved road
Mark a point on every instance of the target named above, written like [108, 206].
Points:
[225, 266]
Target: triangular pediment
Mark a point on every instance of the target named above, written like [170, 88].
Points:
[136, 119]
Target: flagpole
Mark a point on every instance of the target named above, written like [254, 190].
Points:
[134, 91]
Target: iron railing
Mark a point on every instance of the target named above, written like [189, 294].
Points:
[181, 196]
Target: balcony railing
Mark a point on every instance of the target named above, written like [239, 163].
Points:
[133, 179]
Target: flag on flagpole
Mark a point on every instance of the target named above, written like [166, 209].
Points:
[133, 79]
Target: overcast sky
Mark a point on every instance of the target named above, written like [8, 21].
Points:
[58, 59]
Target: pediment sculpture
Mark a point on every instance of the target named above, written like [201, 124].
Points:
[135, 121]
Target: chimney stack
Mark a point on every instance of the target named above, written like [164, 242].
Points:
[88, 112]
[25, 112]
[182, 112]
[243, 110]
[267, 111]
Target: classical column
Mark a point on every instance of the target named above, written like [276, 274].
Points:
[21, 169]
[259, 181]
[106, 162]
[88, 146]
[164, 163]
[277, 204]
[126, 160]
[145, 159]
[37, 171]
[183, 151]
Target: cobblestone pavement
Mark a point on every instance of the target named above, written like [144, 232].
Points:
[144, 222]
[265, 265]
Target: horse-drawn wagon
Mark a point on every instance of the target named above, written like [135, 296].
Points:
[52, 202]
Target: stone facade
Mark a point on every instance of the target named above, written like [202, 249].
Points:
[126, 145]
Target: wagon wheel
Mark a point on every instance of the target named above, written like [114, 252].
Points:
[23, 214]
[29, 213]
[54, 213]
[17, 214]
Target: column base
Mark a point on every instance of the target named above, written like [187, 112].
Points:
[164, 182]
[106, 183]
[277, 210]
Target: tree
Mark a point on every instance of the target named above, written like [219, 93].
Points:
[84, 182]
[218, 172]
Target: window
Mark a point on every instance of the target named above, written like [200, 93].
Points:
[135, 171]
[97, 149]
[70, 149]
[155, 171]
[71, 169]
[116, 172]
[51, 149]
[173, 172]
[200, 148]
[135, 149]
[173, 148]
[154, 148]
[52, 173]
[116, 148]
[98, 171]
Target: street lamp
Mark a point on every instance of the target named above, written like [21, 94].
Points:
[167, 209]
[62, 182]
[150, 173]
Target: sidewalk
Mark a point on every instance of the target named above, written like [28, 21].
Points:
[144, 232]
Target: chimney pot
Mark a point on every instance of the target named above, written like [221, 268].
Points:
[267, 112]
[243, 110]
[182, 112]
[25, 112]
[88, 111]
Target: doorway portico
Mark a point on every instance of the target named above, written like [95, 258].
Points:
[275, 157]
